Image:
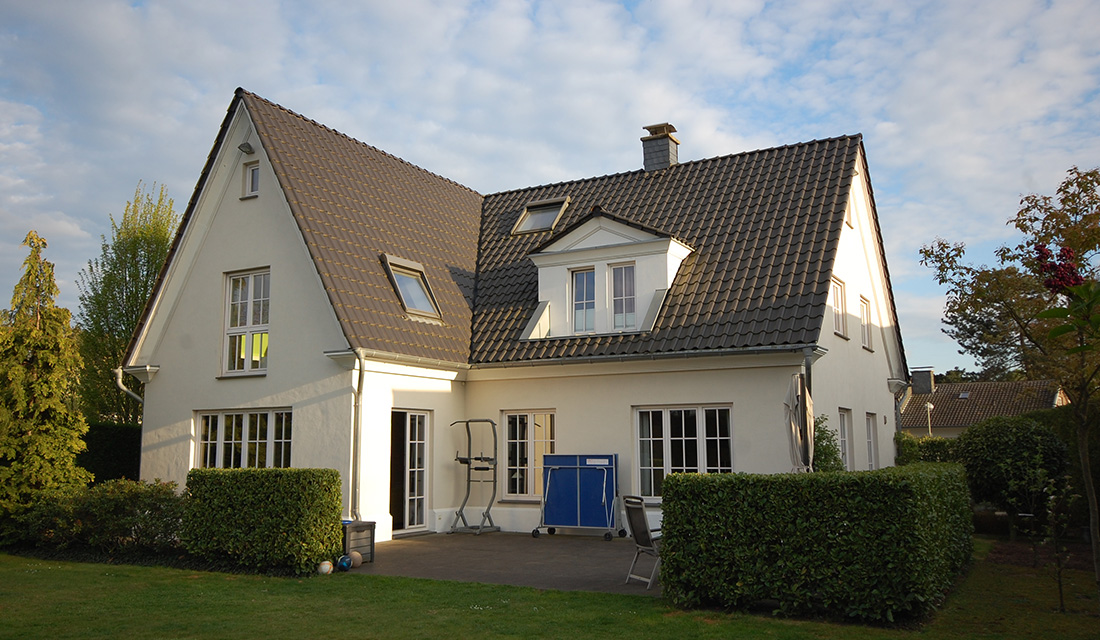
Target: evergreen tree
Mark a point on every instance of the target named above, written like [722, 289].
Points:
[40, 434]
[113, 292]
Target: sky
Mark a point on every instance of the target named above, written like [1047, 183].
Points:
[965, 106]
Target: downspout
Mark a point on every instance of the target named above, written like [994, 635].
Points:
[353, 508]
[121, 385]
[808, 354]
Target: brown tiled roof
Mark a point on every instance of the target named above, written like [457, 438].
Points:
[764, 225]
[353, 203]
[983, 400]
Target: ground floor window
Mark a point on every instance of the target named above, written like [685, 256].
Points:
[235, 439]
[682, 440]
[529, 436]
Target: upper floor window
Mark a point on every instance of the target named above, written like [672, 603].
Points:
[530, 436]
[844, 437]
[248, 300]
[584, 300]
[865, 322]
[412, 287]
[622, 297]
[840, 309]
[251, 179]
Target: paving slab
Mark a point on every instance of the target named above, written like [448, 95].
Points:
[563, 562]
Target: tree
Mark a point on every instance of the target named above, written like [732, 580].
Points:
[40, 434]
[1001, 314]
[114, 289]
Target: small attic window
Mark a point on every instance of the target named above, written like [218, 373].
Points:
[965, 395]
[540, 215]
[411, 286]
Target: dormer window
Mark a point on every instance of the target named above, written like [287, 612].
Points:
[411, 286]
[603, 275]
[540, 215]
[622, 297]
[584, 301]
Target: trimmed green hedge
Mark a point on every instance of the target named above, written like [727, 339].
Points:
[924, 449]
[874, 545]
[269, 520]
[113, 517]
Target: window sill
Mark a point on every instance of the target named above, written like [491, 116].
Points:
[250, 196]
[520, 501]
[841, 335]
[251, 374]
[868, 349]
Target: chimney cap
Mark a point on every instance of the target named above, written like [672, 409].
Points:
[658, 130]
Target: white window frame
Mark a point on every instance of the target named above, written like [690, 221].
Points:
[625, 295]
[528, 435]
[250, 187]
[708, 450]
[872, 441]
[840, 308]
[865, 326]
[244, 438]
[247, 318]
[844, 437]
[587, 305]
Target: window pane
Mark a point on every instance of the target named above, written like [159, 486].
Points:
[261, 293]
[234, 441]
[259, 351]
[236, 356]
[584, 301]
[238, 301]
[208, 442]
[414, 292]
[622, 296]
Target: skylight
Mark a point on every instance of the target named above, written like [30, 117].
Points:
[411, 286]
[540, 215]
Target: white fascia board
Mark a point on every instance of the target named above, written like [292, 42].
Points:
[606, 253]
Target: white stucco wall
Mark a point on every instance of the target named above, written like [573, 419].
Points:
[850, 376]
[595, 407]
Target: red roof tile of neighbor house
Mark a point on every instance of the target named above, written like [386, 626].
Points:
[961, 404]
[764, 227]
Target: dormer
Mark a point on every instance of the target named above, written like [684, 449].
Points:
[603, 275]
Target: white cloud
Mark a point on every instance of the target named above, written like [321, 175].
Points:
[965, 106]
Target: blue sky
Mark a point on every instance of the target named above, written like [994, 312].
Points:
[964, 106]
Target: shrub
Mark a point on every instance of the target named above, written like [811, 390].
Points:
[117, 516]
[908, 449]
[1008, 459]
[826, 447]
[1061, 421]
[268, 520]
[924, 449]
[871, 545]
[114, 451]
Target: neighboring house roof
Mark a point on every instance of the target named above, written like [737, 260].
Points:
[764, 227]
[961, 404]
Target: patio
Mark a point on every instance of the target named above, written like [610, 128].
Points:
[564, 562]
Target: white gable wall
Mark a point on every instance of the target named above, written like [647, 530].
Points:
[850, 376]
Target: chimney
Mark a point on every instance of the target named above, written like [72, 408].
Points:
[924, 381]
[659, 147]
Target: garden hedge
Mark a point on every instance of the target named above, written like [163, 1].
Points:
[874, 545]
[114, 451]
[269, 520]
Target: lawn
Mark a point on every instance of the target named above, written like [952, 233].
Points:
[51, 599]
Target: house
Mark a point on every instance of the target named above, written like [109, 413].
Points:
[326, 304]
[947, 409]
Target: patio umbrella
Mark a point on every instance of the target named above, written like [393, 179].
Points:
[800, 417]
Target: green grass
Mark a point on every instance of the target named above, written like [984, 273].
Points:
[44, 598]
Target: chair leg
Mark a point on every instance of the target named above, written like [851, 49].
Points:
[653, 576]
[630, 572]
